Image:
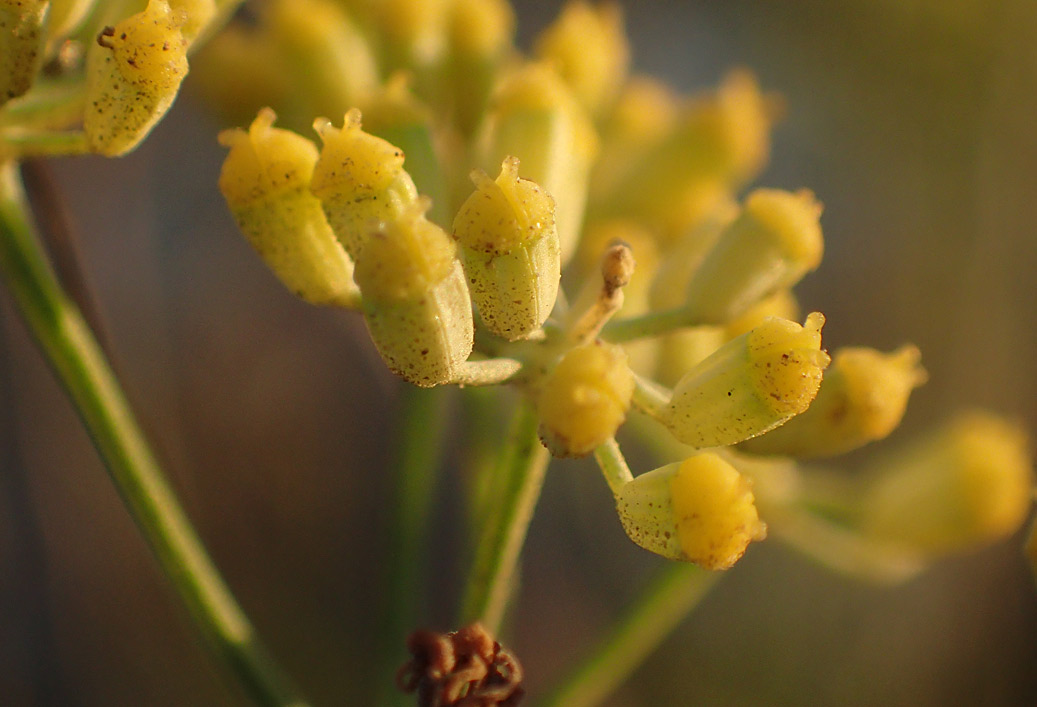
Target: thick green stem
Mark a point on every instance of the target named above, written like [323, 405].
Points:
[420, 444]
[523, 464]
[72, 350]
[654, 615]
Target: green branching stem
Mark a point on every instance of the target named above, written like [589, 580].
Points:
[75, 356]
[523, 464]
[653, 616]
[649, 397]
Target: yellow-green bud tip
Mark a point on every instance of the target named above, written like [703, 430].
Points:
[585, 399]
[793, 219]
[787, 362]
[700, 510]
[354, 161]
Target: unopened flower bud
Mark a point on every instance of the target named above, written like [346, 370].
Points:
[750, 385]
[22, 35]
[588, 47]
[534, 116]
[416, 302]
[774, 241]
[359, 180]
[509, 245]
[134, 72]
[481, 33]
[197, 15]
[584, 399]
[700, 510]
[967, 485]
[862, 399]
[266, 182]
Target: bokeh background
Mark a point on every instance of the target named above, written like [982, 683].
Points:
[913, 121]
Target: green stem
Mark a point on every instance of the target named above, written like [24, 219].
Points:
[652, 324]
[77, 359]
[654, 615]
[26, 143]
[523, 464]
[420, 441]
[613, 465]
[650, 397]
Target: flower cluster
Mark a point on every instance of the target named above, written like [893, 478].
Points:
[557, 225]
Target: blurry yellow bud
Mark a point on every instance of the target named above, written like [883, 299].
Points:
[683, 349]
[588, 47]
[749, 385]
[967, 485]
[509, 245]
[535, 117]
[720, 142]
[862, 399]
[413, 31]
[359, 179]
[330, 59]
[133, 75]
[22, 34]
[781, 304]
[642, 115]
[265, 180]
[481, 33]
[774, 241]
[65, 16]
[585, 399]
[686, 253]
[416, 302]
[700, 510]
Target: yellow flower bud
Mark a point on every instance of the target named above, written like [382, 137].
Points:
[967, 485]
[22, 34]
[683, 349]
[535, 117]
[359, 179]
[197, 14]
[133, 75]
[781, 304]
[750, 385]
[413, 32]
[481, 33]
[584, 399]
[266, 182]
[774, 241]
[588, 47]
[416, 302]
[509, 245]
[862, 399]
[720, 141]
[700, 510]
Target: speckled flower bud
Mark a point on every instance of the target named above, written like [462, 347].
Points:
[360, 180]
[750, 385]
[22, 34]
[862, 399]
[266, 182]
[534, 116]
[967, 485]
[588, 47]
[509, 245]
[585, 399]
[133, 75]
[774, 241]
[700, 510]
[416, 302]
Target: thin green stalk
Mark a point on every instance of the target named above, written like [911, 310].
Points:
[523, 464]
[652, 324]
[73, 352]
[613, 465]
[26, 143]
[654, 615]
[650, 397]
[420, 441]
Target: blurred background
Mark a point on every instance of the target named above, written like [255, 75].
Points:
[912, 120]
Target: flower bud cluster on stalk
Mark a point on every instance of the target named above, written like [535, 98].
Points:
[585, 236]
[550, 222]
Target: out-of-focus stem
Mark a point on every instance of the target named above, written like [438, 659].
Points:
[647, 622]
[523, 464]
[75, 356]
